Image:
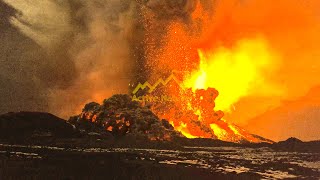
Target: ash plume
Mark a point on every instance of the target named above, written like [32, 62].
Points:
[72, 52]
[58, 55]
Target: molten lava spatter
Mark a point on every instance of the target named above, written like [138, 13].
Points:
[194, 115]
[232, 71]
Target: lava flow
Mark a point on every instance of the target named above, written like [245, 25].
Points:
[217, 71]
[193, 114]
[231, 71]
[195, 111]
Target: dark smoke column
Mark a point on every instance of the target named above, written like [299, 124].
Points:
[150, 31]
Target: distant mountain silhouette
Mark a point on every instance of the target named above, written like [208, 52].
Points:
[291, 140]
[295, 144]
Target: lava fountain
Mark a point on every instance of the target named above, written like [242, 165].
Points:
[215, 72]
[231, 71]
[224, 76]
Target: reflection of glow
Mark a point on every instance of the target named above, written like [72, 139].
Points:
[234, 169]
[276, 174]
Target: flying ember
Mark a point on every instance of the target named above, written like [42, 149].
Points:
[215, 73]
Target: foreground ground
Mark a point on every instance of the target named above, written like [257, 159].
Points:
[42, 146]
[52, 162]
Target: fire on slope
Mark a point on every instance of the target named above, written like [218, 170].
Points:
[194, 115]
[231, 71]
[217, 60]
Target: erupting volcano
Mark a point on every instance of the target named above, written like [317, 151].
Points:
[194, 115]
[196, 69]
[191, 111]
[221, 70]
[210, 71]
[160, 89]
[221, 65]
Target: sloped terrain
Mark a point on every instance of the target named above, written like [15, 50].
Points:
[120, 116]
[24, 125]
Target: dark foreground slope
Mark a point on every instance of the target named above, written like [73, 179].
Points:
[26, 125]
[37, 128]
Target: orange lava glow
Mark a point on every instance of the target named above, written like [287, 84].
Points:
[256, 54]
[233, 71]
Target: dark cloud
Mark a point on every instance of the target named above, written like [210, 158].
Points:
[172, 8]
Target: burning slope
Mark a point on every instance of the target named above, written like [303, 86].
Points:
[193, 114]
[121, 116]
[232, 72]
[212, 59]
[243, 49]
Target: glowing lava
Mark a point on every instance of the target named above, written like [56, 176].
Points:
[224, 76]
[232, 71]
[220, 66]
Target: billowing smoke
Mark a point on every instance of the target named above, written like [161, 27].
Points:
[57, 55]
[165, 8]
[101, 51]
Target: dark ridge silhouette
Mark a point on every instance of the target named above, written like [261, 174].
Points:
[25, 125]
[295, 144]
[291, 140]
[144, 130]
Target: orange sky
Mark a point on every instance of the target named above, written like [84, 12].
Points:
[291, 29]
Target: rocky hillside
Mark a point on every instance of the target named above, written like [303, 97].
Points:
[120, 116]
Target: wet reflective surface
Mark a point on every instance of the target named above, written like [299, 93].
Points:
[258, 162]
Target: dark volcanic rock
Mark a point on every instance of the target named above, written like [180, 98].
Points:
[294, 144]
[23, 125]
[291, 141]
[120, 116]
